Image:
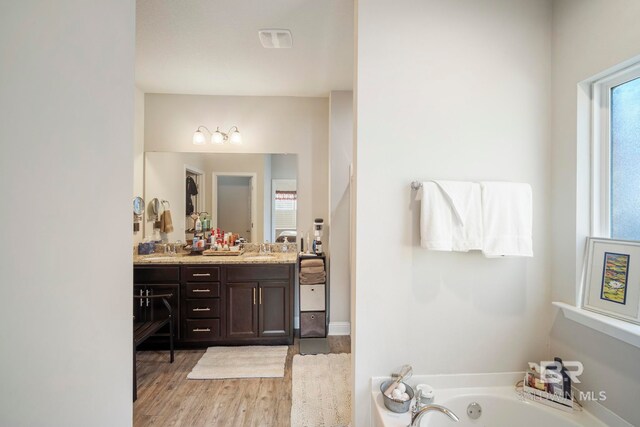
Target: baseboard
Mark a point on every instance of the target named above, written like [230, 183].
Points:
[339, 328]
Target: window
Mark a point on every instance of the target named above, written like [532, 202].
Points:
[616, 152]
[284, 209]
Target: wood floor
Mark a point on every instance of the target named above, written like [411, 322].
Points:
[167, 398]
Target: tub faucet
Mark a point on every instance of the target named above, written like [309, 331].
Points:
[418, 411]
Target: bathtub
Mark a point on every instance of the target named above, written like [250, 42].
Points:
[502, 405]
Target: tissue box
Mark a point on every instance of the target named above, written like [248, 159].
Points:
[146, 248]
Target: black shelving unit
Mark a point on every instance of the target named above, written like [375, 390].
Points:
[313, 311]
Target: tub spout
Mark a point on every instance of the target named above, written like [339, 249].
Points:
[418, 412]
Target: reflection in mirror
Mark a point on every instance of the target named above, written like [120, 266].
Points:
[252, 195]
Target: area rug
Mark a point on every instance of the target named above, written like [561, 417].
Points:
[240, 362]
[321, 391]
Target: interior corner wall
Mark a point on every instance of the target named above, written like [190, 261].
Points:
[460, 91]
[138, 156]
[67, 103]
[340, 160]
[588, 38]
[269, 124]
[266, 191]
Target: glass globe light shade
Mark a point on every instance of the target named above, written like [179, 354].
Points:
[217, 137]
[198, 138]
[235, 137]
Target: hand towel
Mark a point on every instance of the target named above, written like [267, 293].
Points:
[312, 281]
[466, 204]
[450, 217]
[311, 270]
[312, 263]
[321, 276]
[166, 223]
[507, 218]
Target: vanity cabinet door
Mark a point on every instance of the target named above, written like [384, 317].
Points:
[273, 299]
[242, 310]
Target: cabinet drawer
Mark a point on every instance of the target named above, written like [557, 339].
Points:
[203, 290]
[147, 274]
[202, 274]
[312, 324]
[312, 298]
[202, 330]
[259, 272]
[204, 308]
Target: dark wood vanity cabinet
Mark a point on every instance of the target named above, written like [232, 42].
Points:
[201, 306]
[259, 299]
[226, 304]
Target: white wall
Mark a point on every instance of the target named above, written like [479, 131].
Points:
[588, 38]
[284, 166]
[65, 174]
[138, 156]
[450, 90]
[340, 159]
[268, 125]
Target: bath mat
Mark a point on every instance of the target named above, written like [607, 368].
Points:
[240, 362]
[321, 391]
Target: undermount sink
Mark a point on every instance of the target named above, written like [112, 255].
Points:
[161, 257]
[259, 257]
[157, 258]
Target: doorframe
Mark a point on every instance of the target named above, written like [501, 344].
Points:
[254, 199]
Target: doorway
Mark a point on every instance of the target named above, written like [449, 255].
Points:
[234, 202]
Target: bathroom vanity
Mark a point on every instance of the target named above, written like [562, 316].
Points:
[222, 300]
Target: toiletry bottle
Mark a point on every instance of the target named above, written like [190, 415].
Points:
[318, 246]
[566, 381]
[198, 225]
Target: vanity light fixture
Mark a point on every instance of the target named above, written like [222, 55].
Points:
[217, 137]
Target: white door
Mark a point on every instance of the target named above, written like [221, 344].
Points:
[234, 205]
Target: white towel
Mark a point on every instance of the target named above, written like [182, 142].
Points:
[507, 217]
[466, 204]
[450, 218]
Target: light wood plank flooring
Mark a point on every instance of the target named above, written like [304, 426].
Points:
[167, 398]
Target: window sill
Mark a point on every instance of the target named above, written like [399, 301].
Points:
[619, 329]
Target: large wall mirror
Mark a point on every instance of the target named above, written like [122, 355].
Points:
[253, 195]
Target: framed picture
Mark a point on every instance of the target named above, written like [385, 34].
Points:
[612, 279]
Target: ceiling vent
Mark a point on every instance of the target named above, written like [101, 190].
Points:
[275, 39]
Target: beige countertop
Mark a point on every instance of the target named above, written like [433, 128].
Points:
[246, 258]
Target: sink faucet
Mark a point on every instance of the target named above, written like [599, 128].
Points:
[418, 411]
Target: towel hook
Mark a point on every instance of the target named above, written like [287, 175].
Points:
[416, 185]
